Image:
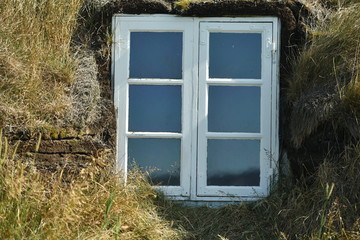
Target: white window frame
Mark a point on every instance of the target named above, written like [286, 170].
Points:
[194, 84]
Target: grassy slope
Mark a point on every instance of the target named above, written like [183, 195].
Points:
[327, 74]
[93, 206]
[36, 66]
[36, 70]
[97, 206]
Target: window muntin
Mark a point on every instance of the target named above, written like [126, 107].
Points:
[195, 137]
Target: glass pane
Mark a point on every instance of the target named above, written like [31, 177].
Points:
[156, 55]
[234, 109]
[235, 55]
[157, 156]
[233, 162]
[154, 108]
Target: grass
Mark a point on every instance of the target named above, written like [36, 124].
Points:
[36, 64]
[327, 209]
[324, 86]
[93, 206]
[96, 205]
[332, 56]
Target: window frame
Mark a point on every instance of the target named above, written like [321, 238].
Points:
[192, 88]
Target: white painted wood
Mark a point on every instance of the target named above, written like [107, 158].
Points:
[153, 135]
[146, 81]
[121, 54]
[203, 108]
[195, 84]
[274, 154]
[194, 112]
[232, 135]
[266, 103]
[234, 82]
[187, 99]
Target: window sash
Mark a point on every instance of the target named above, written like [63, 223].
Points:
[265, 29]
[123, 28]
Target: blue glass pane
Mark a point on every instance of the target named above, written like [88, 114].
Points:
[233, 162]
[234, 109]
[155, 108]
[235, 55]
[156, 55]
[159, 157]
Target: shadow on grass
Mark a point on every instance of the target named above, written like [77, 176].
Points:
[229, 222]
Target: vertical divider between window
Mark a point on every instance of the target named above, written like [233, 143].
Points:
[195, 105]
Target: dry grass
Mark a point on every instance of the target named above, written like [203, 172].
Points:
[324, 86]
[94, 206]
[324, 210]
[36, 66]
[85, 93]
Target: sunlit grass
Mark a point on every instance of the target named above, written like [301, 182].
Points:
[94, 206]
[36, 66]
[98, 205]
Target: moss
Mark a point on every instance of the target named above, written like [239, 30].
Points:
[184, 4]
[63, 134]
[54, 134]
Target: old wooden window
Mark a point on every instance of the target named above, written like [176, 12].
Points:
[196, 102]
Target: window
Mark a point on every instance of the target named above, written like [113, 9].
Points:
[196, 102]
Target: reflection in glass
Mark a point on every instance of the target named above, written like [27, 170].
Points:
[154, 108]
[233, 162]
[159, 157]
[235, 55]
[156, 55]
[234, 109]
